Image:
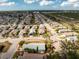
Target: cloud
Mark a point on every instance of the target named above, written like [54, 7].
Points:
[45, 2]
[40, 2]
[72, 1]
[65, 3]
[3, 1]
[7, 3]
[76, 4]
[30, 1]
[68, 3]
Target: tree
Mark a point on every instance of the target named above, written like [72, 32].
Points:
[21, 43]
[37, 49]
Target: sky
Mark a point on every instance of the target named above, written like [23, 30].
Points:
[39, 5]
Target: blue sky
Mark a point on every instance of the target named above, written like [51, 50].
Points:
[39, 5]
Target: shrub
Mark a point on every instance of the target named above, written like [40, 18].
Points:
[21, 43]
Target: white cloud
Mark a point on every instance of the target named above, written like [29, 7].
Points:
[3, 1]
[76, 4]
[65, 3]
[72, 1]
[40, 2]
[30, 1]
[7, 3]
[68, 3]
[45, 2]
